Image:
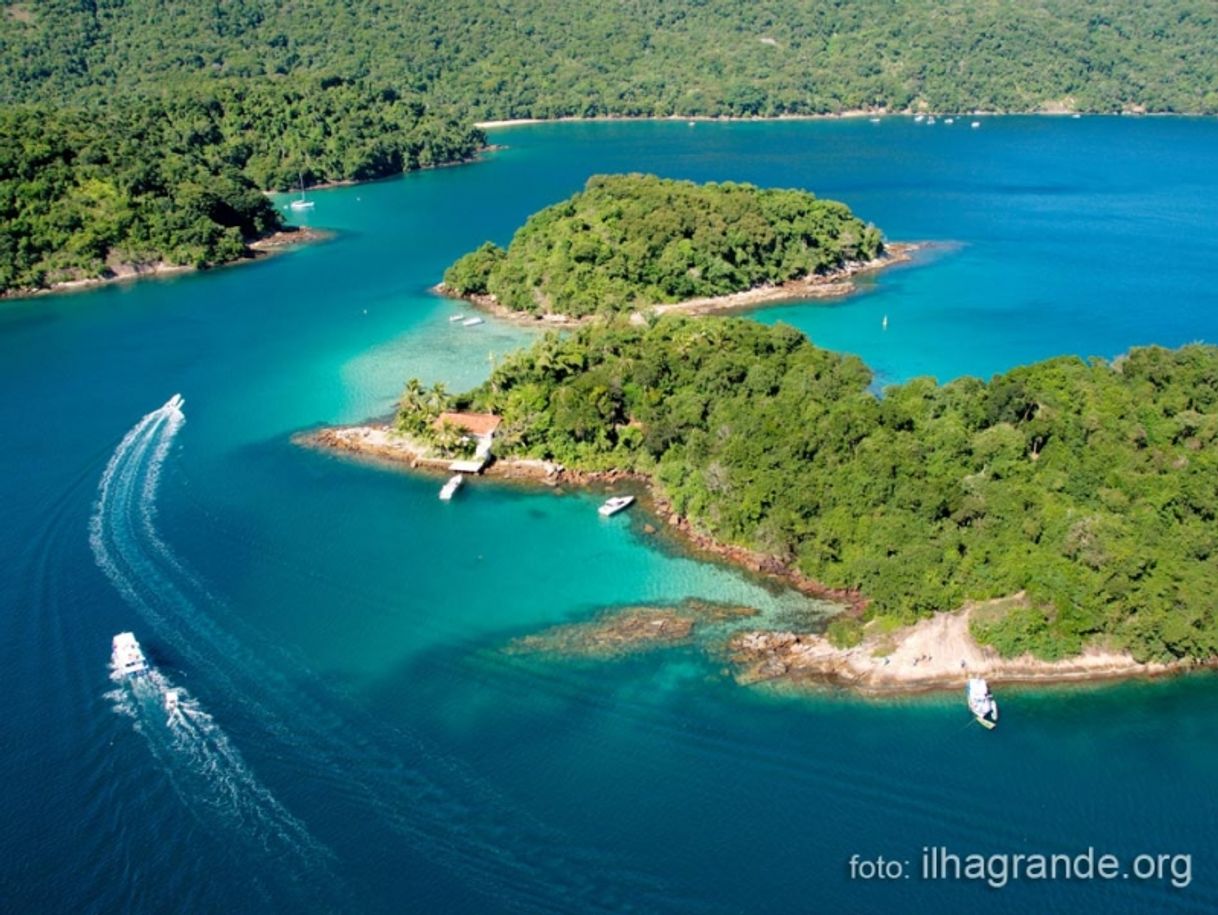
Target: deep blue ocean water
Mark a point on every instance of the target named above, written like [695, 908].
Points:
[356, 738]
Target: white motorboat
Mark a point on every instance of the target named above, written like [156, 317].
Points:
[451, 487]
[615, 505]
[981, 702]
[975, 124]
[453, 319]
[471, 322]
[126, 657]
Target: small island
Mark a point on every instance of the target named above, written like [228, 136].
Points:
[629, 243]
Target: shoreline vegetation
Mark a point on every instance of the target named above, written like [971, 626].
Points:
[634, 242]
[933, 654]
[837, 283]
[276, 242]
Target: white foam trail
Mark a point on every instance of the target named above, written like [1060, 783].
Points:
[207, 770]
[415, 799]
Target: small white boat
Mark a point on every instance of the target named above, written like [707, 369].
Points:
[949, 120]
[301, 203]
[451, 487]
[453, 319]
[692, 123]
[173, 706]
[981, 702]
[1076, 116]
[874, 120]
[615, 505]
[919, 119]
[931, 119]
[884, 323]
[471, 322]
[975, 124]
[126, 657]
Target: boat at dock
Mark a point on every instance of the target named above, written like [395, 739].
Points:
[981, 702]
[126, 657]
[615, 505]
[451, 487]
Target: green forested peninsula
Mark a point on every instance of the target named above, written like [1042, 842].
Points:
[1092, 486]
[178, 179]
[549, 58]
[632, 240]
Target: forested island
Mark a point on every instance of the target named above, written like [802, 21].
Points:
[1086, 487]
[630, 241]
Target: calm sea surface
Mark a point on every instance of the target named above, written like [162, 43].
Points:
[354, 736]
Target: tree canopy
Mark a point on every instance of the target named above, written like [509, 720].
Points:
[632, 240]
[180, 179]
[1091, 486]
[550, 58]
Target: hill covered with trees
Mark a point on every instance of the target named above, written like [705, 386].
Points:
[179, 180]
[550, 58]
[627, 241]
[1092, 486]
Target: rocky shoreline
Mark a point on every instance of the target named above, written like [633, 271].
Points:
[381, 442]
[834, 284]
[933, 654]
[274, 243]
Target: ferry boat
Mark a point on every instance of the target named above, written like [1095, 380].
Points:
[126, 657]
[615, 505]
[471, 322]
[450, 488]
[981, 702]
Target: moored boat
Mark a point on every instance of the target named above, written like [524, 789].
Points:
[455, 318]
[471, 322]
[981, 702]
[451, 487]
[126, 657]
[615, 505]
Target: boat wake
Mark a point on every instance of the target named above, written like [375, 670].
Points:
[209, 775]
[391, 778]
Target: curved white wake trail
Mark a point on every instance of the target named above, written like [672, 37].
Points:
[212, 779]
[423, 807]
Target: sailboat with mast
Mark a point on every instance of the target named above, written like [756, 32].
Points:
[302, 202]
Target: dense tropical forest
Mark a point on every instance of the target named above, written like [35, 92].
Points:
[549, 58]
[179, 180]
[1092, 486]
[631, 240]
[247, 95]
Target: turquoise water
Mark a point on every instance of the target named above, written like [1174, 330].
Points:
[355, 736]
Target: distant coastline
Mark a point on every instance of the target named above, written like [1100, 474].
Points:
[850, 114]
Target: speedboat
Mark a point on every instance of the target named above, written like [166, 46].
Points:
[451, 487]
[126, 657]
[471, 322]
[615, 505]
[981, 702]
